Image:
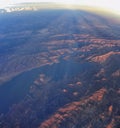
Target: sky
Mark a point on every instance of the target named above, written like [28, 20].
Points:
[113, 5]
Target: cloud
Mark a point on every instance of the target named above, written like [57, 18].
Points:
[112, 5]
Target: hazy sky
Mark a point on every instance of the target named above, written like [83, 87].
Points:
[108, 4]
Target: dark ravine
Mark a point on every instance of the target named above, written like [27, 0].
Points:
[16, 89]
